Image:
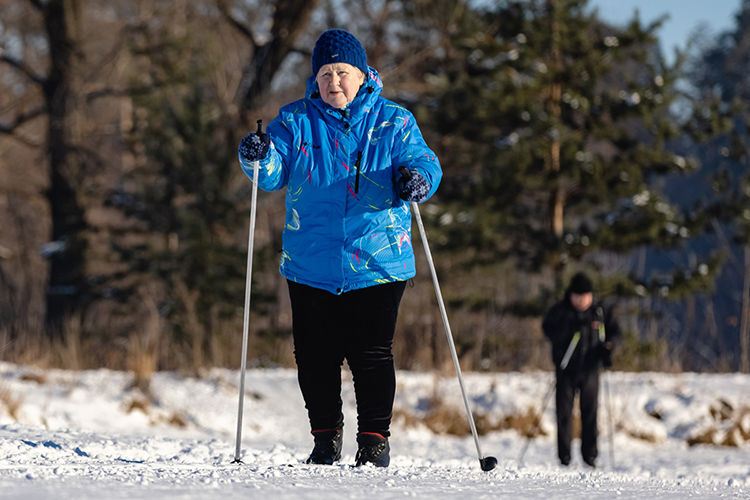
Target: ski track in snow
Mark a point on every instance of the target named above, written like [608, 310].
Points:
[75, 436]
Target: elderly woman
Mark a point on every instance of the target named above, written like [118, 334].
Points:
[347, 249]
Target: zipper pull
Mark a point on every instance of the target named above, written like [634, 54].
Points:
[356, 166]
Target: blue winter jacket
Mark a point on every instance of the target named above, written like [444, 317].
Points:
[346, 227]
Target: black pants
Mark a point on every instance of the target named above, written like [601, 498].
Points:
[586, 383]
[357, 326]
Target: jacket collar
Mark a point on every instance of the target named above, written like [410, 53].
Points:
[355, 110]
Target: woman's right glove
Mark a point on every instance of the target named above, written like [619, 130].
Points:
[605, 352]
[254, 146]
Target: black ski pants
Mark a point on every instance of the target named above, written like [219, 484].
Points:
[357, 326]
[586, 384]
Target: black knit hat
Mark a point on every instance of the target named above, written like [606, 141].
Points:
[339, 46]
[580, 283]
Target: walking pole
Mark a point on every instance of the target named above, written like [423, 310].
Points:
[486, 463]
[537, 420]
[611, 421]
[248, 279]
[563, 365]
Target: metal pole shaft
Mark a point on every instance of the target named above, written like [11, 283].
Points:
[611, 422]
[447, 326]
[246, 319]
[538, 419]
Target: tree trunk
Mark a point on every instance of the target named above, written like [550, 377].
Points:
[66, 280]
[557, 197]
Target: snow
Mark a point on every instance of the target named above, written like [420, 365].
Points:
[90, 435]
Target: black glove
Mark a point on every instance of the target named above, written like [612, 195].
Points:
[606, 354]
[254, 146]
[415, 189]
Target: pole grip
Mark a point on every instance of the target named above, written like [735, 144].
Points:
[260, 127]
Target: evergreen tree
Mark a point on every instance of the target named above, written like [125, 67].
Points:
[185, 187]
[720, 83]
[566, 124]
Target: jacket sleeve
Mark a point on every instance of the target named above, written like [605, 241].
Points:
[273, 173]
[554, 324]
[556, 327]
[411, 151]
[612, 328]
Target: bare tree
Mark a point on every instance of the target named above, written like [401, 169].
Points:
[290, 20]
[60, 21]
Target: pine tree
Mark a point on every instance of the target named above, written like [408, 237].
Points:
[185, 188]
[722, 102]
[566, 123]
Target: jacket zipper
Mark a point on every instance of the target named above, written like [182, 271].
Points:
[356, 166]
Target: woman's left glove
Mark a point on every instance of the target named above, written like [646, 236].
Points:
[415, 189]
[254, 146]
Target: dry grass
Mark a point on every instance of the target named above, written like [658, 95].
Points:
[138, 403]
[141, 361]
[11, 401]
[145, 406]
[730, 427]
[38, 377]
[527, 424]
[442, 418]
[143, 347]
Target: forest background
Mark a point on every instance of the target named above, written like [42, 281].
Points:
[568, 144]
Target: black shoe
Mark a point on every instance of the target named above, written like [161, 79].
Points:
[327, 447]
[591, 462]
[565, 461]
[373, 448]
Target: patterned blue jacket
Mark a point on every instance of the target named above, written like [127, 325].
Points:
[346, 227]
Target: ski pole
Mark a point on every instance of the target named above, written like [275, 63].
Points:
[248, 279]
[563, 365]
[611, 421]
[537, 420]
[486, 463]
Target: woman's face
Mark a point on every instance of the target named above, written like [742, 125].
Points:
[339, 83]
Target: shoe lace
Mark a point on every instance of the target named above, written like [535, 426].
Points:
[326, 445]
[370, 453]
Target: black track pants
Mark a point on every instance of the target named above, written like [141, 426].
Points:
[357, 326]
[586, 383]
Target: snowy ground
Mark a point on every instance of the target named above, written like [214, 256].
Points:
[87, 435]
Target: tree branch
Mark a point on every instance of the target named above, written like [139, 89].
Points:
[245, 30]
[132, 91]
[23, 68]
[38, 4]
[12, 128]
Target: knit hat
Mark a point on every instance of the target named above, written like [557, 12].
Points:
[339, 46]
[580, 284]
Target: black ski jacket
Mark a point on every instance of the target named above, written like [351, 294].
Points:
[562, 322]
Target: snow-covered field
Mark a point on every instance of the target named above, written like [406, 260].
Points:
[89, 435]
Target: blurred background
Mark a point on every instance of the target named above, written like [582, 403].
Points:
[598, 136]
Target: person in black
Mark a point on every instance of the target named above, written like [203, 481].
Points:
[583, 334]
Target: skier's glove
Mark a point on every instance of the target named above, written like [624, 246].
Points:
[254, 146]
[415, 189]
[606, 354]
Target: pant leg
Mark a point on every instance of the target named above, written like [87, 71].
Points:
[319, 354]
[564, 397]
[589, 405]
[370, 323]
